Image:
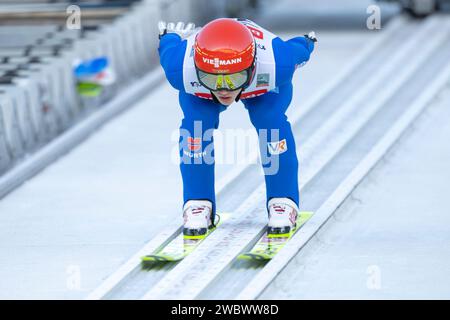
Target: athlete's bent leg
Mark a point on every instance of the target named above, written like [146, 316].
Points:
[201, 117]
[277, 144]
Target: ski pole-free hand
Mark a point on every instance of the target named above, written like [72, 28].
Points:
[311, 36]
[179, 28]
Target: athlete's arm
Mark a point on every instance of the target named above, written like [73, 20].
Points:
[171, 56]
[301, 48]
[172, 49]
[291, 54]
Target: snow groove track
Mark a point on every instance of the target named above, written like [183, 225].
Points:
[372, 141]
[259, 283]
[195, 273]
[213, 264]
[118, 284]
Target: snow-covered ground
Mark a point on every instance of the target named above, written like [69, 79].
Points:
[76, 222]
[391, 238]
[65, 230]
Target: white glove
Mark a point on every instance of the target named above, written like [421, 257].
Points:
[311, 36]
[179, 28]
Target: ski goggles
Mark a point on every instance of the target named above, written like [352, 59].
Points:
[228, 82]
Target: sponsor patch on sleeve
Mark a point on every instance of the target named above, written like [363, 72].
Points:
[262, 80]
[277, 147]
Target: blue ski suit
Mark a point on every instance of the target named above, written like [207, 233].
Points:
[266, 111]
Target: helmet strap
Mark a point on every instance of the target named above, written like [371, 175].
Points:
[238, 96]
[217, 100]
[214, 98]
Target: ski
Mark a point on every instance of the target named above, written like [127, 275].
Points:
[180, 246]
[269, 245]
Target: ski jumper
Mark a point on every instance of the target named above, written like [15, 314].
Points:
[266, 100]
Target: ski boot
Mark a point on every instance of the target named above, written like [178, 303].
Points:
[197, 217]
[283, 213]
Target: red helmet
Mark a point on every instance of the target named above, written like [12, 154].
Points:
[225, 47]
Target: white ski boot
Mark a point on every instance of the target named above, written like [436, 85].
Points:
[197, 217]
[283, 214]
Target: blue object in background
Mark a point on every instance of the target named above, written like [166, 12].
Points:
[91, 67]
